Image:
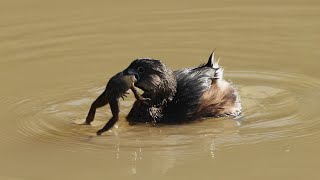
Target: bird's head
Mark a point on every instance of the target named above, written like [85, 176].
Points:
[156, 80]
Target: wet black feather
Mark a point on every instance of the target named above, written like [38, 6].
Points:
[176, 97]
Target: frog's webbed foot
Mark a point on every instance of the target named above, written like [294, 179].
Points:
[145, 101]
[124, 95]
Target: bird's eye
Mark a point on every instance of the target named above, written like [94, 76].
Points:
[140, 69]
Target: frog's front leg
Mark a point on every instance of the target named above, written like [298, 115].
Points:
[139, 97]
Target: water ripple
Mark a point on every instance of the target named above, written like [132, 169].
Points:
[277, 106]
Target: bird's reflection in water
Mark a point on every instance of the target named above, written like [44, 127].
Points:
[165, 147]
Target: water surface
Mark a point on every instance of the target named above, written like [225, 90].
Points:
[56, 58]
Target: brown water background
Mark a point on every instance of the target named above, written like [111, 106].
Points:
[56, 57]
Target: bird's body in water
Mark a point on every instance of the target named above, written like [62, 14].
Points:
[183, 95]
[169, 97]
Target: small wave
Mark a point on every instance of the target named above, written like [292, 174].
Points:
[276, 106]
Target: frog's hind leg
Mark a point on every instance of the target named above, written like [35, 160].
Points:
[114, 105]
[102, 100]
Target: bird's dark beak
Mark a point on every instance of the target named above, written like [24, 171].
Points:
[130, 71]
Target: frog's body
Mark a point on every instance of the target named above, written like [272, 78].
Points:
[117, 87]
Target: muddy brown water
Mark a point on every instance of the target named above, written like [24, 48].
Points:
[56, 57]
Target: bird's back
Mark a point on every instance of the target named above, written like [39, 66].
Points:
[202, 92]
